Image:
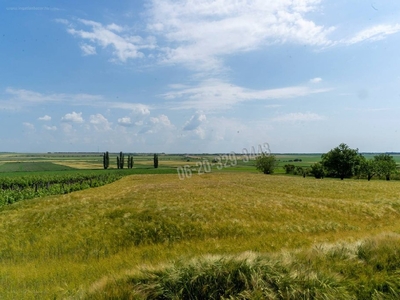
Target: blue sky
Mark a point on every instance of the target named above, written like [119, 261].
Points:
[199, 76]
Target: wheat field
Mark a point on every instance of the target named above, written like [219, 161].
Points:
[82, 244]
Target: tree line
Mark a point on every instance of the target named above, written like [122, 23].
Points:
[344, 162]
[340, 162]
[121, 161]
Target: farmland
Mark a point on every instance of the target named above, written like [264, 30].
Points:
[150, 228]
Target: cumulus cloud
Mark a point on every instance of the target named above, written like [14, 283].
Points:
[50, 128]
[195, 121]
[139, 123]
[73, 118]
[157, 124]
[140, 109]
[162, 119]
[125, 121]
[99, 122]
[45, 118]
[294, 117]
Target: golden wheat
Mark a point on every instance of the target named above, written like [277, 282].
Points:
[59, 246]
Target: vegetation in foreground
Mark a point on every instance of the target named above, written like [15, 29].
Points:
[62, 246]
[365, 270]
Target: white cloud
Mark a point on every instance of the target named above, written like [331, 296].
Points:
[45, 118]
[225, 134]
[114, 27]
[99, 122]
[124, 46]
[201, 31]
[88, 49]
[215, 94]
[294, 117]
[125, 121]
[316, 80]
[195, 121]
[22, 98]
[62, 21]
[140, 110]
[198, 34]
[374, 33]
[73, 118]
[50, 128]
[272, 106]
[162, 120]
[67, 128]
[157, 125]
[29, 125]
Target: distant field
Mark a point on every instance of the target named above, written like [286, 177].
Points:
[93, 161]
[32, 167]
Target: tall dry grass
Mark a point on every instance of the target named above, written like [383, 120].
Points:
[60, 246]
[365, 270]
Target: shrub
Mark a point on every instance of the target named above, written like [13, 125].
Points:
[266, 163]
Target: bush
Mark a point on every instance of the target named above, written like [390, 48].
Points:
[298, 171]
[289, 168]
[266, 163]
[317, 170]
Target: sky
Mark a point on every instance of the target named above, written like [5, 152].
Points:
[199, 76]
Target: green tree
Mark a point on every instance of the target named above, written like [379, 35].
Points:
[298, 170]
[289, 168]
[155, 160]
[341, 161]
[130, 162]
[368, 167]
[121, 160]
[106, 160]
[385, 165]
[317, 170]
[266, 163]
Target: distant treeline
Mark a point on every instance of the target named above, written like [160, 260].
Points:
[344, 162]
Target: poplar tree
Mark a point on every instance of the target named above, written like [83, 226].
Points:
[155, 161]
[106, 160]
[121, 160]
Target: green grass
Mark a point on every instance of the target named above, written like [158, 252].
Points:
[111, 238]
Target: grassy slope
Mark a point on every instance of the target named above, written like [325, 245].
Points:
[62, 245]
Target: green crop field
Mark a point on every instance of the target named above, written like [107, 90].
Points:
[32, 167]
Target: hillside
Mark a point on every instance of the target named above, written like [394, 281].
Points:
[75, 244]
